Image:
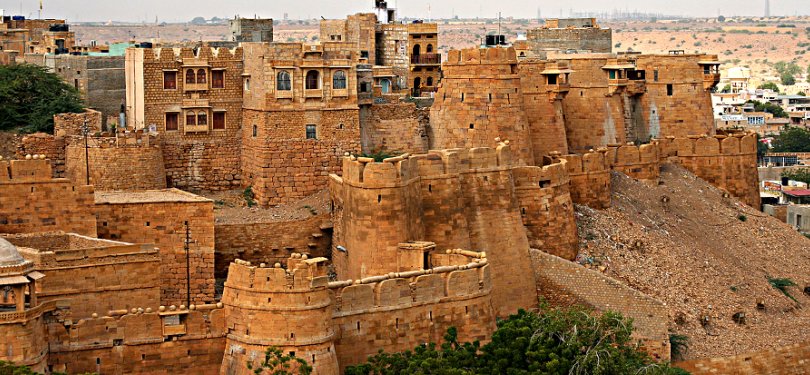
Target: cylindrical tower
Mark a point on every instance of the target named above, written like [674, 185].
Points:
[289, 309]
[479, 100]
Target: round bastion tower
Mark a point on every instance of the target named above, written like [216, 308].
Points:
[479, 100]
[289, 309]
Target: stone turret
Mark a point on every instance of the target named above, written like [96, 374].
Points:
[287, 308]
[479, 100]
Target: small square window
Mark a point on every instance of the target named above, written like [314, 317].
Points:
[311, 132]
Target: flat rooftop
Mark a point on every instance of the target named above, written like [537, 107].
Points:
[148, 196]
[55, 241]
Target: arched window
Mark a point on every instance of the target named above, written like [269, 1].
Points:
[430, 81]
[190, 77]
[417, 82]
[191, 117]
[201, 76]
[313, 80]
[283, 81]
[385, 83]
[255, 131]
[339, 80]
[417, 50]
[202, 118]
[429, 48]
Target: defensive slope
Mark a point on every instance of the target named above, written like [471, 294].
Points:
[705, 255]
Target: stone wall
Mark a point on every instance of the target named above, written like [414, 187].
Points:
[24, 338]
[450, 198]
[73, 123]
[95, 276]
[566, 283]
[142, 341]
[333, 325]
[393, 128]
[480, 100]
[590, 178]
[159, 217]
[120, 163]
[45, 144]
[270, 242]
[729, 163]
[31, 200]
[639, 162]
[547, 209]
[592, 39]
[544, 109]
[785, 360]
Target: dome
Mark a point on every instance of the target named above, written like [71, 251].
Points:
[9, 256]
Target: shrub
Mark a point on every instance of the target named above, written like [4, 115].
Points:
[781, 284]
[742, 218]
[679, 346]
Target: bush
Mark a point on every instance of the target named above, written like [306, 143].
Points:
[769, 86]
[781, 284]
[742, 218]
[553, 341]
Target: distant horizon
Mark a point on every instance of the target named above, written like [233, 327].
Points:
[181, 11]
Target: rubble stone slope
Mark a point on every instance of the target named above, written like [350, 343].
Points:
[706, 255]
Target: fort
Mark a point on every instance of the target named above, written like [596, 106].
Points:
[452, 186]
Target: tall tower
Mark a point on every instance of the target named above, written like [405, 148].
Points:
[767, 8]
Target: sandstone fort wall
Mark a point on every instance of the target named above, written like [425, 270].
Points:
[393, 128]
[143, 341]
[786, 360]
[269, 242]
[54, 149]
[544, 110]
[94, 276]
[73, 123]
[121, 163]
[565, 283]
[31, 200]
[590, 178]
[161, 221]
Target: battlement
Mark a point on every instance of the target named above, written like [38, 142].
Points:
[590, 177]
[481, 56]
[456, 161]
[640, 162]
[552, 175]
[139, 326]
[32, 169]
[172, 55]
[301, 274]
[698, 146]
[589, 162]
[406, 289]
[121, 140]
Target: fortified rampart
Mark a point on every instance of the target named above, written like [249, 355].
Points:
[544, 84]
[165, 218]
[395, 127]
[140, 341]
[31, 200]
[785, 360]
[590, 178]
[270, 242]
[727, 162]
[640, 162]
[566, 283]
[336, 324]
[91, 275]
[125, 162]
[451, 198]
[74, 123]
[45, 144]
[480, 100]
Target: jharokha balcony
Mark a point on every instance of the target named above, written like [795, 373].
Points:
[426, 59]
[711, 71]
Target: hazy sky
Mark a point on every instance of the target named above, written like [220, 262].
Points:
[183, 10]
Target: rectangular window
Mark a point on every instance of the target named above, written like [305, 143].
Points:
[219, 121]
[655, 75]
[170, 80]
[191, 118]
[171, 121]
[363, 54]
[311, 134]
[217, 79]
[612, 74]
[670, 89]
[552, 79]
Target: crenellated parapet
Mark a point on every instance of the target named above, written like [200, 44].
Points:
[34, 168]
[129, 161]
[590, 177]
[640, 162]
[727, 162]
[170, 55]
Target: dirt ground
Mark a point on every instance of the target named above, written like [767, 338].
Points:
[231, 207]
[703, 255]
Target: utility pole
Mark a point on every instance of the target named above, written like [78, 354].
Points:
[187, 242]
[85, 131]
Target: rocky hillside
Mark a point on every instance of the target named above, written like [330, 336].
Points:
[704, 255]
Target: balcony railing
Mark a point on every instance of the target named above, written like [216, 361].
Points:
[427, 59]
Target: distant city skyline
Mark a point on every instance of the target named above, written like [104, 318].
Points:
[185, 10]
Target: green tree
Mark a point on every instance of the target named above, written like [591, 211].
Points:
[726, 89]
[773, 109]
[8, 368]
[555, 341]
[277, 363]
[762, 148]
[769, 86]
[787, 79]
[30, 96]
[792, 139]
